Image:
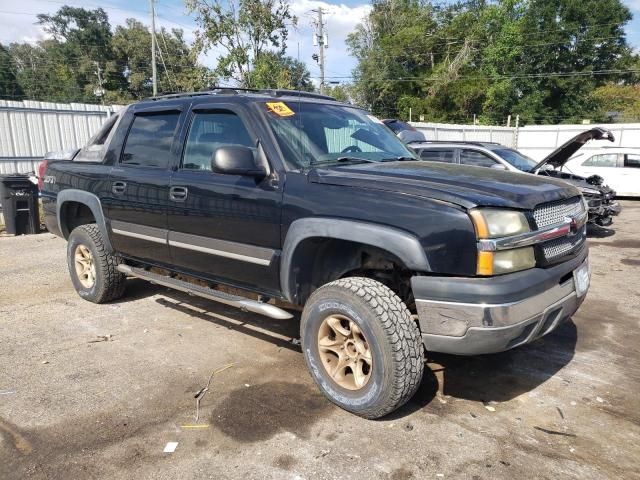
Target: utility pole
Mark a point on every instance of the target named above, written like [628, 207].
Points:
[320, 38]
[154, 78]
[99, 92]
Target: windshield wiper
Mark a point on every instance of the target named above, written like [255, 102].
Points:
[355, 159]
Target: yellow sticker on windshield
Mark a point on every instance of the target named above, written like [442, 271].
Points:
[280, 108]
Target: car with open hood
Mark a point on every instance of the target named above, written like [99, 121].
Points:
[277, 202]
[599, 196]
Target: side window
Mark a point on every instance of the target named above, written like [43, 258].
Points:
[101, 136]
[475, 158]
[437, 155]
[632, 160]
[210, 131]
[604, 160]
[149, 141]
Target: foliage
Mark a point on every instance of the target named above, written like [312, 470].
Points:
[177, 65]
[536, 58]
[65, 67]
[9, 87]
[618, 102]
[274, 70]
[245, 31]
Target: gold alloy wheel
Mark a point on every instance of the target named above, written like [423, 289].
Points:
[344, 352]
[85, 268]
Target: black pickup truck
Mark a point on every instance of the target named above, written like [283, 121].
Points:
[266, 200]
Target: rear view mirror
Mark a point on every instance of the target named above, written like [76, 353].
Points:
[237, 160]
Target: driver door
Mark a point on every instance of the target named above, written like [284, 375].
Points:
[223, 226]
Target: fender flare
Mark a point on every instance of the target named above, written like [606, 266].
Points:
[91, 201]
[402, 244]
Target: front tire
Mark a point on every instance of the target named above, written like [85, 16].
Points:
[362, 348]
[94, 271]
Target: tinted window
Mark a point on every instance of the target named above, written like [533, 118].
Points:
[318, 133]
[631, 160]
[515, 158]
[149, 141]
[398, 126]
[437, 155]
[208, 132]
[475, 158]
[101, 136]
[605, 160]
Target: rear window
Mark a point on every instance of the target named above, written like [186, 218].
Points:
[149, 141]
[604, 160]
[438, 155]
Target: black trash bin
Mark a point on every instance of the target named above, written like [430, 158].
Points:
[19, 200]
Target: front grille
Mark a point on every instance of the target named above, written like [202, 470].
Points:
[553, 213]
[561, 246]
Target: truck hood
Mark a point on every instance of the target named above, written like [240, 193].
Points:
[560, 155]
[465, 186]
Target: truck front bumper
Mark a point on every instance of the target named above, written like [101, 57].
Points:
[472, 316]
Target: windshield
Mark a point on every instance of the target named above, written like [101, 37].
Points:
[515, 158]
[323, 134]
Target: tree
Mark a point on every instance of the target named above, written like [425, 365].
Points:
[273, 70]
[9, 87]
[342, 93]
[489, 59]
[178, 68]
[618, 102]
[244, 30]
[80, 47]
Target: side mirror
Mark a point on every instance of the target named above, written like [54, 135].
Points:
[236, 160]
[498, 166]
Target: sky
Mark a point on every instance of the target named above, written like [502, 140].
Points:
[17, 24]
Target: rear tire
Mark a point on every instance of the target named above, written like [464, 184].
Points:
[361, 346]
[94, 271]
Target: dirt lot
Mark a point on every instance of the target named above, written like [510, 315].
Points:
[72, 406]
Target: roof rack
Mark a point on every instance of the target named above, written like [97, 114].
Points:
[237, 90]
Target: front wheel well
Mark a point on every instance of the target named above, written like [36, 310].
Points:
[318, 261]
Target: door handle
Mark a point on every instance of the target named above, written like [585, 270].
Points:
[178, 194]
[118, 187]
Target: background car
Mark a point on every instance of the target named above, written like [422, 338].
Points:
[599, 196]
[404, 131]
[619, 166]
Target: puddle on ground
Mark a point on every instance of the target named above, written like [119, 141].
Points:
[257, 413]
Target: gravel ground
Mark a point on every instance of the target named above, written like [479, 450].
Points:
[97, 391]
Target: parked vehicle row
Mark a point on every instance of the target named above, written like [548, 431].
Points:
[622, 166]
[295, 197]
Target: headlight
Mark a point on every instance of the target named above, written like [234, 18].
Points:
[493, 223]
[506, 261]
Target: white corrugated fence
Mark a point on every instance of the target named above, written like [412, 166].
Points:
[536, 141]
[29, 129]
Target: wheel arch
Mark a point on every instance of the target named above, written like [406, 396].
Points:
[89, 200]
[306, 238]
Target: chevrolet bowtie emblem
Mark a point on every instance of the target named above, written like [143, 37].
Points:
[573, 225]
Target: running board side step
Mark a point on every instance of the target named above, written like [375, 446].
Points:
[242, 303]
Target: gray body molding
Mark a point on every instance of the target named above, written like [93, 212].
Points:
[91, 201]
[402, 244]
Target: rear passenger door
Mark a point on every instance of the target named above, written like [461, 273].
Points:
[224, 226]
[139, 185]
[443, 155]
